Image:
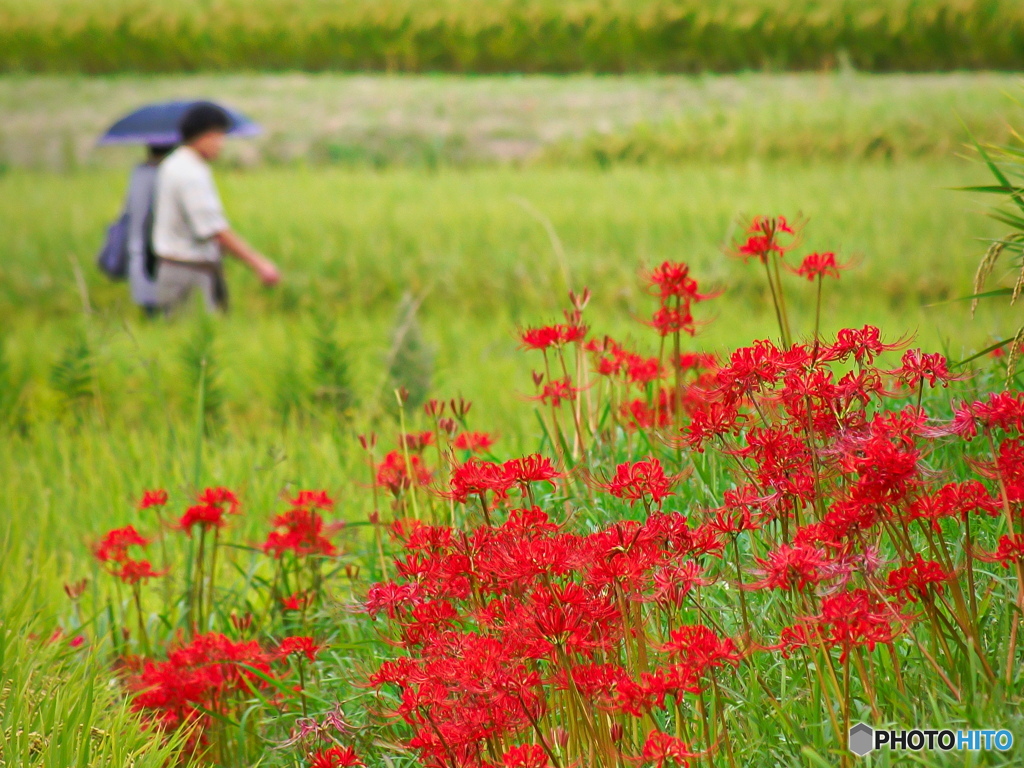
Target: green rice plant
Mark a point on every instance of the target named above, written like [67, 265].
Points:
[332, 374]
[12, 389]
[57, 707]
[202, 373]
[73, 374]
[410, 361]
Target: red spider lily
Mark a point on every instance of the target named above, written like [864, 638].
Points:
[863, 345]
[1002, 410]
[525, 756]
[295, 602]
[751, 370]
[134, 571]
[548, 336]
[475, 478]
[820, 265]
[1010, 550]
[156, 498]
[673, 280]
[670, 320]
[540, 338]
[113, 547]
[299, 645]
[312, 500]
[220, 496]
[397, 476]
[475, 442]
[643, 370]
[698, 647]
[953, 500]
[640, 414]
[918, 368]
[918, 580]
[557, 390]
[202, 676]
[301, 532]
[673, 583]
[214, 504]
[640, 481]
[857, 618]
[792, 568]
[573, 332]
[666, 751]
[335, 757]
[765, 238]
[530, 469]
[416, 441]
[711, 421]
[698, 361]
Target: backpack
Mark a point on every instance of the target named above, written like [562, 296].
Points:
[113, 256]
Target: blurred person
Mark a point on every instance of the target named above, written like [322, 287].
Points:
[190, 230]
[139, 211]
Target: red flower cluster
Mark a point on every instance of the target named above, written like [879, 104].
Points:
[210, 511]
[299, 645]
[556, 391]
[397, 475]
[476, 478]
[204, 676]
[113, 552]
[157, 498]
[335, 757]
[766, 236]
[677, 292]
[640, 481]
[474, 442]
[819, 265]
[496, 620]
[549, 336]
[301, 529]
[113, 547]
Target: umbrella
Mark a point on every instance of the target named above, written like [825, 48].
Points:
[157, 124]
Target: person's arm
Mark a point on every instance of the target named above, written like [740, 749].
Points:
[260, 264]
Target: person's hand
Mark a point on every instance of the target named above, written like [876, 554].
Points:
[268, 273]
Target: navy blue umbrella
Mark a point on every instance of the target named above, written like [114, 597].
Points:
[157, 124]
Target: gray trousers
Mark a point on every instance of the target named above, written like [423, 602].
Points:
[176, 281]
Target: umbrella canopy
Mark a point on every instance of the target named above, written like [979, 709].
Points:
[157, 124]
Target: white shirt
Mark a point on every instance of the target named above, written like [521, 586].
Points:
[188, 211]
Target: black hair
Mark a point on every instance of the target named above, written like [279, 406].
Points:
[158, 152]
[203, 117]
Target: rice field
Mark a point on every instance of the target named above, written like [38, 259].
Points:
[98, 404]
[510, 36]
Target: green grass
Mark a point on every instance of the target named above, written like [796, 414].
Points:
[351, 244]
[471, 36]
[442, 121]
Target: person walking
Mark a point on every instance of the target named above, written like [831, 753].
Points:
[139, 211]
[190, 230]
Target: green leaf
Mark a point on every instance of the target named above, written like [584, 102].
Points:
[813, 758]
[997, 173]
[985, 295]
[983, 352]
[991, 188]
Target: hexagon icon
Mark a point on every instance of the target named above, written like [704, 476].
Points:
[861, 739]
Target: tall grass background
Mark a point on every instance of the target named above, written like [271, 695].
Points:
[472, 36]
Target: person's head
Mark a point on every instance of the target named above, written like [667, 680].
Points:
[157, 152]
[203, 127]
